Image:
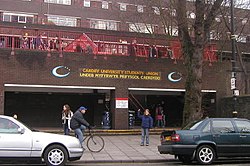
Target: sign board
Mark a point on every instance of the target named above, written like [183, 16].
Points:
[121, 103]
[233, 84]
[120, 74]
[236, 92]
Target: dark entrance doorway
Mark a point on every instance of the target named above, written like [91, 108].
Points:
[172, 103]
[172, 106]
[44, 109]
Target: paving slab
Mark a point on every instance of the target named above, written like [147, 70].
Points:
[126, 148]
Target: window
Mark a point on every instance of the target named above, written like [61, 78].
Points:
[222, 126]
[103, 24]
[62, 20]
[218, 18]
[192, 125]
[22, 19]
[18, 17]
[243, 126]
[123, 6]
[191, 15]
[172, 30]
[14, 18]
[209, 1]
[214, 35]
[63, 2]
[140, 8]
[7, 17]
[242, 39]
[207, 128]
[7, 126]
[105, 4]
[173, 12]
[244, 21]
[141, 28]
[86, 3]
[156, 10]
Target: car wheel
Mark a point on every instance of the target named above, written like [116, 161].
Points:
[185, 159]
[205, 154]
[55, 155]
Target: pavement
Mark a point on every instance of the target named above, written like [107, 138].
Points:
[126, 149]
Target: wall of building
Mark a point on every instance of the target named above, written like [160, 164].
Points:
[242, 106]
[35, 68]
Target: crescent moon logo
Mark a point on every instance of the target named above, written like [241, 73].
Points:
[56, 74]
[170, 76]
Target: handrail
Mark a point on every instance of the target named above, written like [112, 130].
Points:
[121, 48]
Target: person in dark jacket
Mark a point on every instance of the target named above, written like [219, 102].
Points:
[146, 124]
[78, 123]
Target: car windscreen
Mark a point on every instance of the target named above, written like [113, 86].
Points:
[192, 125]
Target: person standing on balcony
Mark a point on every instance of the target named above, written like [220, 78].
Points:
[133, 48]
[66, 117]
[38, 42]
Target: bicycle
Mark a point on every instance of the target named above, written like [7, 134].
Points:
[95, 143]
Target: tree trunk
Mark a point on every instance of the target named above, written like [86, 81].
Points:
[192, 107]
[193, 56]
[193, 49]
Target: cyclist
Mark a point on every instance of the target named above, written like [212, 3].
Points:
[79, 124]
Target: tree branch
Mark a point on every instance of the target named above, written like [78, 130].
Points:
[211, 15]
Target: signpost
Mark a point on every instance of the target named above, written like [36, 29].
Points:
[233, 79]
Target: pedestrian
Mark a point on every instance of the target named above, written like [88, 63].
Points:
[15, 116]
[159, 116]
[79, 124]
[66, 117]
[146, 124]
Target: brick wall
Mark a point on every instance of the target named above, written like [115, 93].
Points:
[242, 106]
[34, 68]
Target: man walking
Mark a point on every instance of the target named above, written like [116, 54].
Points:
[78, 123]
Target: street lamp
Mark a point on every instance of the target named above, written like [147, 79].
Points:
[233, 76]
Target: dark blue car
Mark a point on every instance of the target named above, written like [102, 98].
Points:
[207, 140]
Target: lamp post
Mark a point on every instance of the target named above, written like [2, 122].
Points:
[233, 76]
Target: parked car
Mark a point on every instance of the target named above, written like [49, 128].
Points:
[19, 142]
[207, 140]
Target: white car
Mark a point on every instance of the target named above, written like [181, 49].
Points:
[18, 142]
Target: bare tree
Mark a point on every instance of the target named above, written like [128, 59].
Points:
[195, 19]
[193, 49]
[241, 24]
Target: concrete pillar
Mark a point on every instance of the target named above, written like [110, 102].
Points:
[119, 115]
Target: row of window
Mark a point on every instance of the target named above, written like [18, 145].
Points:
[71, 21]
[104, 5]
[102, 24]
[20, 18]
[63, 2]
[140, 9]
[217, 126]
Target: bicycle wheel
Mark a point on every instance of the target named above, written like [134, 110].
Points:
[95, 143]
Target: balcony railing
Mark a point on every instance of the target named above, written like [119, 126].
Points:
[62, 41]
